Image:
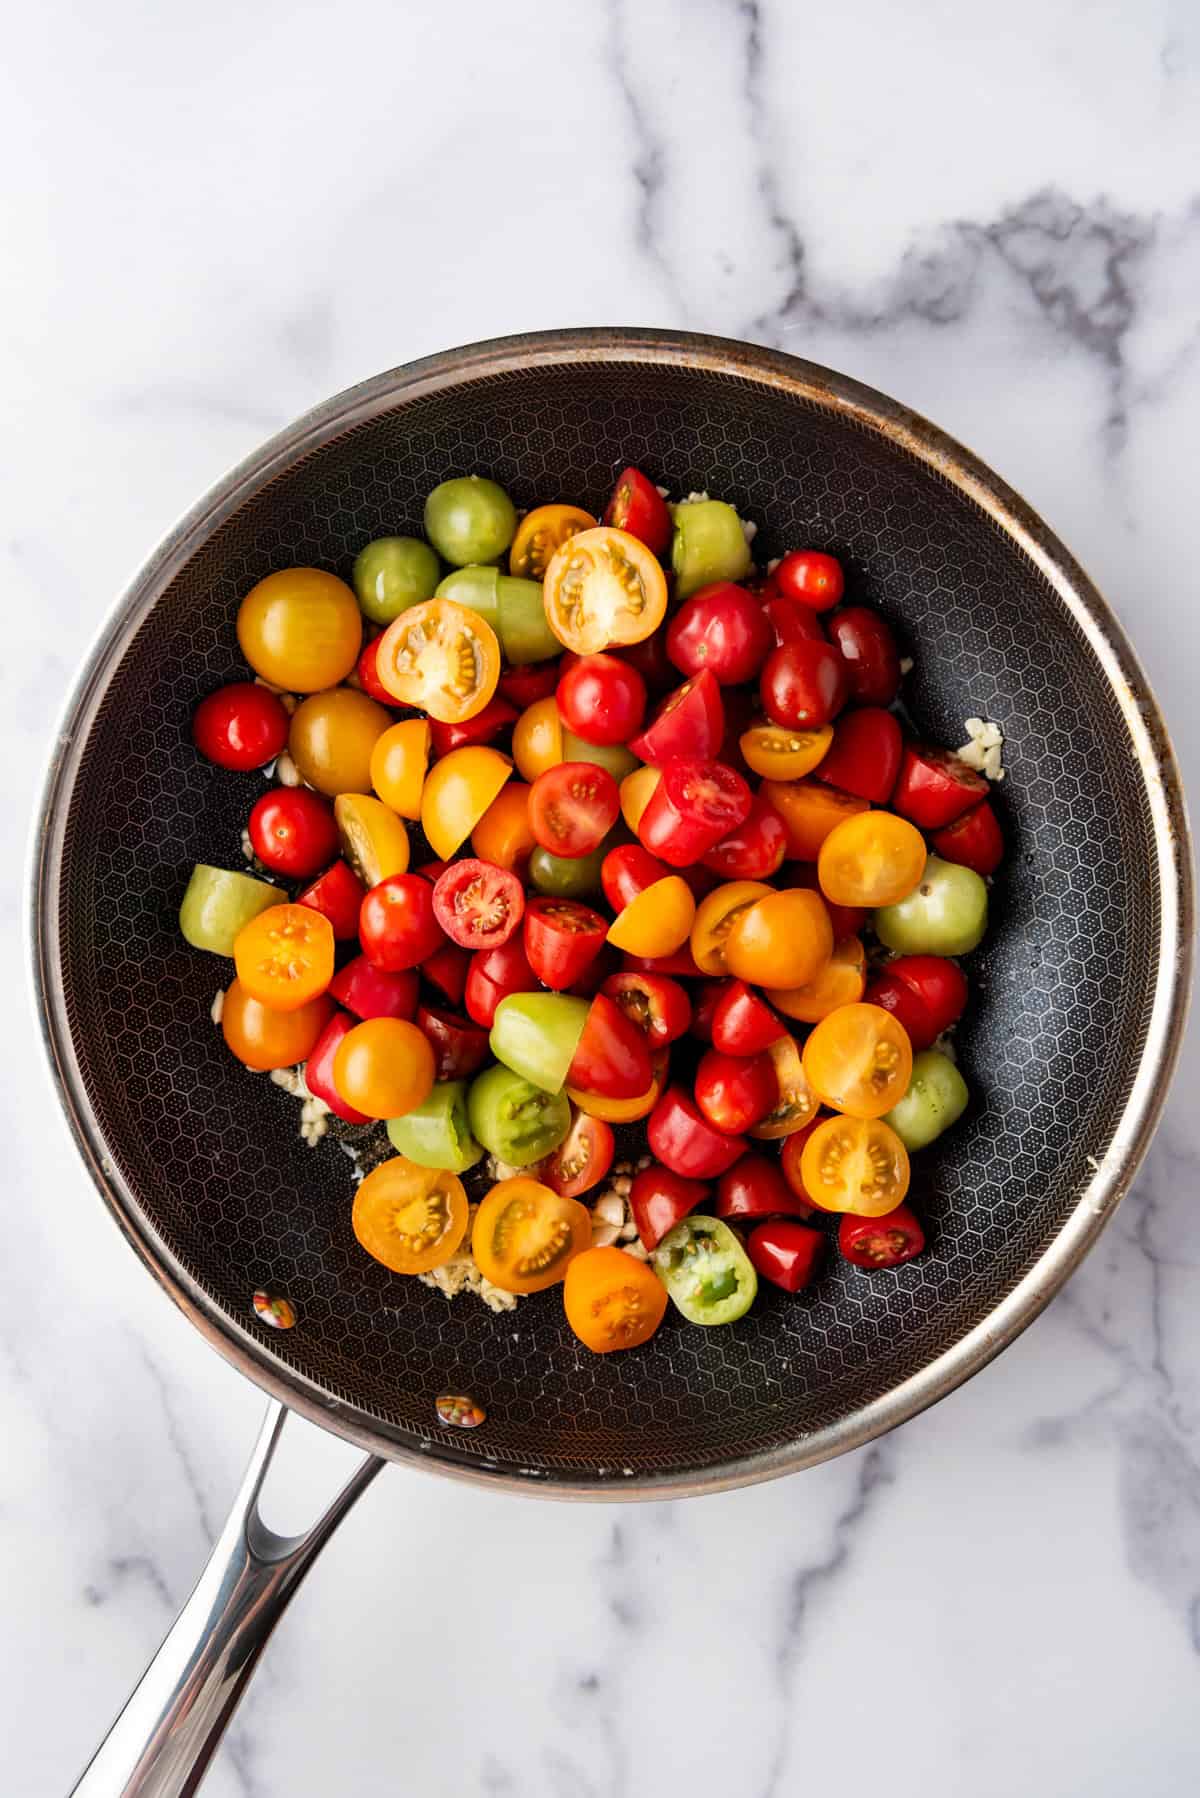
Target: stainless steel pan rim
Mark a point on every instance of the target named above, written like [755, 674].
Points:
[1149, 744]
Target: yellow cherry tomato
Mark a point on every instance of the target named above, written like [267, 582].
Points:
[537, 738]
[503, 835]
[635, 791]
[810, 810]
[872, 859]
[410, 1218]
[332, 737]
[384, 1067]
[784, 939]
[779, 754]
[442, 658]
[540, 533]
[374, 840]
[855, 1164]
[658, 921]
[858, 1060]
[262, 1038]
[715, 916]
[398, 763]
[604, 587]
[842, 981]
[458, 790]
[796, 1103]
[624, 1111]
[284, 957]
[301, 629]
[526, 1236]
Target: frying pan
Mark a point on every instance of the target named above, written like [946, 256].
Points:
[1079, 993]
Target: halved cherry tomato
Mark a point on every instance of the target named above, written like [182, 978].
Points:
[716, 915]
[864, 757]
[612, 1301]
[264, 1038]
[811, 578]
[561, 937]
[754, 849]
[284, 956]
[689, 722]
[658, 921]
[693, 806]
[935, 787]
[627, 871]
[869, 651]
[240, 726]
[458, 791]
[604, 587]
[878, 1242]
[459, 1047]
[410, 1218]
[790, 621]
[478, 905]
[859, 1060]
[783, 939]
[292, 832]
[573, 807]
[442, 658]
[638, 507]
[493, 975]
[796, 1104]
[842, 981]
[721, 628]
[611, 1058]
[496, 717]
[873, 859]
[974, 841]
[372, 992]
[503, 835]
[602, 699]
[332, 737]
[635, 792]
[581, 1159]
[523, 685]
[683, 1139]
[624, 1111]
[660, 1199]
[786, 1253]
[537, 743]
[397, 925]
[383, 1067]
[447, 969]
[926, 994]
[318, 1069]
[742, 1022]
[337, 895]
[735, 1092]
[847, 920]
[526, 1235]
[374, 840]
[658, 1005]
[542, 532]
[754, 1188]
[779, 754]
[301, 629]
[366, 673]
[790, 1157]
[855, 1164]
[810, 811]
[704, 1010]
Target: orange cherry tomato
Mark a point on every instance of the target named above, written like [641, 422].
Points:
[301, 629]
[873, 859]
[542, 532]
[331, 738]
[410, 1218]
[855, 1164]
[442, 658]
[810, 811]
[797, 1103]
[284, 957]
[716, 915]
[613, 1301]
[458, 790]
[858, 1060]
[604, 587]
[658, 921]
[537, 738]
[625, 1111]
[635, 791]
[779, 754]
[383, 1067]
[842, 981]
[526, 1236]
[398, 763]
[784, 939]
[262, 1038]
[374, 840]
[503, 835]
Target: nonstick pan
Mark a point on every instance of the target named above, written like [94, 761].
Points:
[1079, 995]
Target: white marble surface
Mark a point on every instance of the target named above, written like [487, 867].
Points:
[214, 217]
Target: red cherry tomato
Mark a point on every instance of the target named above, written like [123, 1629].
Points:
[561, 938]
[754, 1188]
[638, 507]
[791, 622]
[493, 975]
[722, 628]
[864, 757]
[611, 1058]
[460, 1047]
[879, 1242]
[694, 805]
[755, 849]
[786, 1253]
[925, 993]
[627, 871]
[478, 905]
[869, 651]
[397, 926]
[367, 675]
[975, 840]
[526, 683]
[704, 1007]
[318, 1069]
[735, 1092]
[847, 920]
[581, 1159]
[742, 1021]
[497, 716]
[602, 699]
[935, 786]
[660, 1199]
[686, 1142]
[658, 1005]
[690, 722]
[371, 993]
[240, 726]
[803, 685]
[572, 808]
[337, 895]
[790, 1158]
[292, 832]
[810, 577]
[446, 969]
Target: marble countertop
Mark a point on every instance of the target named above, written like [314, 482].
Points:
[215, 217]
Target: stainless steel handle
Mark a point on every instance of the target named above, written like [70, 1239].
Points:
[162, 1742]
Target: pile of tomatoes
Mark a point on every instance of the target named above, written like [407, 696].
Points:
[655, 802]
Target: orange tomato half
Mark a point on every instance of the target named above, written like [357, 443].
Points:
[872, 859]
[796, 1104]
[542, 532]
[441, 658]
[265, 1039]
[783, 939]
[503, 835]
[716, 915]
[383, 1067]
[858, 1060]
[458, 790]
[612, 1301]
[658, 921]
[842, 981]
[625, 1111]
[635, 791]
[779, 754]
[810, 810]
[855, 1164]
[410, 1218]
[284, 957]
[537, 742]
[526, 1236]
[399, 759]
[604, 587]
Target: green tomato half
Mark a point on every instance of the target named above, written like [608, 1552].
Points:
[565, 876]
[537, 1034]
[707, 1272]
[469, 519]
[945, 915]
[513, 607]
[936, 1098]
[393, 573]
[516, 1120]
[437, 1132]
[709, 544]
[218, 902]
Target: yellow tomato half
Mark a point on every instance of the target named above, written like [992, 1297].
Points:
[441, 658]
[458, 791]
[542, 532]
[604, 587]
[398, 763]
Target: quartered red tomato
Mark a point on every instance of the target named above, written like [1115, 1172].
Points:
[447, 969]
[337, 895]
[974, 841]
[582, 1158]
[612, 1058]
[880, 1242]
[638, 507]
[478, 905]
[684, 1140]
[864, 757]
[561, 938]
[753, 1189]
[693, 806]
[735, 1092]
[460, 1047]
[660, 1199]
[318, 1069]
[787, 1253]
[493, 975]
[690, 722]
[572, 808]
[742, 1021]
[371, 992]
[927, 994]
[934, 787]
[755, 848]
[657, 1004]
[527, 682]
[497, 715]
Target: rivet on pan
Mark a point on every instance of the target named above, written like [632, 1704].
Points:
[461, 1412]
[278, 1312]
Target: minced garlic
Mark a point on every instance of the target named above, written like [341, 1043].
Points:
[983, 748]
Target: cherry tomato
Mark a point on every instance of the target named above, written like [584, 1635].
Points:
[842, 981]
[935, 787]
[542, 532]
[442, 658]
[868, 649]
[721, 628]
[635, 794]
[792, 622]
[859, 1060]
[864, 757]
[332, 737]
[264, 1038]
[755, 849]
[526, 1235]
[694, 805]
[292, 832]
[973, 841]
[690, 722]
[493, 975]
[926, 994]
[754, 1188]
[855, 1164]
[525, 684]
[602, 699]
[458, 791]
[803, 685]
[734, 1092]
[374, 840]
[503, 835]
[573, 807]
[796, 1103]
[715, 917]
[742, 1022]
[612, 1301]
[627, 871]
[879, 1242]
[873, 859]
[582, 1159]
[786, 1253]
[657, 922]
[383, 1067]
[624, 1111]
[811, 578]
[704, 1010]
[284, 956]
[660, 1199]
[604, 587]
[497, 716]
[611, 1058]
[459, 1047]
[366, 673]
[337, 895]
[537, 743]
[684, 1141]
[638, 507]
[240, 726]
[809, 811]
[783, 939]
[478, 905]
[847, 920]
[372, 993]
[301, 629]
[410, 1218]
[561, 938]
[790, 1158]
[447, 969]
[779, 754]
[318, 1069]
[397, 925]
[658, 1005]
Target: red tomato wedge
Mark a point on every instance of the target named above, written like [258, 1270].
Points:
[638, 507]
[561, 938]
[864, 757]
[689, 722]
[694, 805]
[581, 1159]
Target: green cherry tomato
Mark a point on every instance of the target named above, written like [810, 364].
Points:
[945, 915]
[709, 544]
[936, 1098]
[217, 903]
[476, 588]
[469, 520]
[537, 1034]
[516, 1120]
[706, 1270]
[437, 1133]
[565, 877]
[614, 756]
[512, 606]
[391, 574]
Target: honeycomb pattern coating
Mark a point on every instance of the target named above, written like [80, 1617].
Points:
[1060, 988]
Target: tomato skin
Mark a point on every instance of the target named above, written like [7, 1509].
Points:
[383, 1067]
[561, 937]
[369, 992]
[869, 651]
[926, 994]
[742, 1021]
[611, 1058]
[656, 1004]
[809, 811]
[881, 1242]
[803, 685]
[625, 1111]
[753, 1188]
[786, 1253]
[704, 1009]
[582, 1159]
[935, 786]
[689, 722]
[783, 939]
[658, 921]
[734, 1092]
[240, 726]
[811, 578]
[602, 699]
[842, 981]
[459, 789]
[526, 683]
[651, 660]
[684, 1140]
[337, 895]
[974, 841]
[366, 673]
[292, 832]
[397, 926]
[479, 906]
[790, 1158]
[659, 1199]
[864, 757]
[496, 716]
[638, 507]
[318, 1069]
[460, 1047]
[792, 622]
[694, 805]
[627, 871]
[263, 1038]
[722, 628]
[493, 975]
[612, 1302]
[679, 966]
[446, 969]
[715, 918]
[755, 849]
[503, 834]
[573, 807]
